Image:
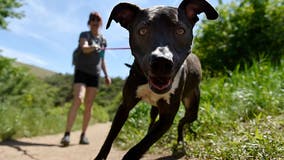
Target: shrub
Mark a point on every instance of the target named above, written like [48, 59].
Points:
[245, 31]
[24, 101]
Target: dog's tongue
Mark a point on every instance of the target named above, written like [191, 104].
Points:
[160, 83]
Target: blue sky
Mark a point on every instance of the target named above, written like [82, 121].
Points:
[49, 32]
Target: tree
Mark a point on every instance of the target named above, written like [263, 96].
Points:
[7, 10]
[245, 31]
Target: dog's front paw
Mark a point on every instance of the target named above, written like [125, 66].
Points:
[178, 150]
[99, 158]
[130, 156]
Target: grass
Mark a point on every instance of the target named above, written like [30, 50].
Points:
[27, 122]
[241, 116]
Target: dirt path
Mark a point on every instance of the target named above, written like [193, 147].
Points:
[48, 148]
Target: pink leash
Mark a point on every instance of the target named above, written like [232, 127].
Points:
[123, 48]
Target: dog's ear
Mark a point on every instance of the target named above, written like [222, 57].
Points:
[192, 8]
[124, 13]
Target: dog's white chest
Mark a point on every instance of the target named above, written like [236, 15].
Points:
[146, 94]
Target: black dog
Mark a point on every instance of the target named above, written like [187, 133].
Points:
[164, 71]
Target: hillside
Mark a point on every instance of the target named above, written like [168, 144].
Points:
[37, 71]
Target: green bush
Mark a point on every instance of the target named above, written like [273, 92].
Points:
[24, 101]
[63, 84]
[112, 108]
[100, 114]
[107, 94]
[246, 30]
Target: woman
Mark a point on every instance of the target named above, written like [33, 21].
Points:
[88, 64]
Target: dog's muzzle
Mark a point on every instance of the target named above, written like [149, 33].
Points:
[160, 75]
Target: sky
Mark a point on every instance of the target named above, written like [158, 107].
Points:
[48, 33]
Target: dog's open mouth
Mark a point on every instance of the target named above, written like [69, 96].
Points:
[160, 84]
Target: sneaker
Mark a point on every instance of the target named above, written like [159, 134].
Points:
[84, 140]
[65, 141]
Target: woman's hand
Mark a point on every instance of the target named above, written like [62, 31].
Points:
[88, 47]
[107, 80]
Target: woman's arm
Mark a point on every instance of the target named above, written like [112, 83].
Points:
[104, 68]
[86, 48]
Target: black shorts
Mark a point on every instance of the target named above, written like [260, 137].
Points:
[88, 79]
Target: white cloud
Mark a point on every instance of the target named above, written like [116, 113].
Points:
[45, 24]
[48, 25]
[52, 19]
[20, 56]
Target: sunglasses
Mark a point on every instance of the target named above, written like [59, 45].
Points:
[95, 19]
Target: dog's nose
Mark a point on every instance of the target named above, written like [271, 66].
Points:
[161, 65]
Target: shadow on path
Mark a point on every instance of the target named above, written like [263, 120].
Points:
[18, 144]
[174, 156]
[169, 158]
[22, 143]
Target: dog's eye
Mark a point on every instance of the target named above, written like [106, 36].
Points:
[180, 31]
[143, 31]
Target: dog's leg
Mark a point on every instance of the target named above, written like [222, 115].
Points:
[153, 115]
[118, 122]
[166, 117]
[129, 101]
[191, 104]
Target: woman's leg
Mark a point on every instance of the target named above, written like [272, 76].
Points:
[78, 92]
[89, 99]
